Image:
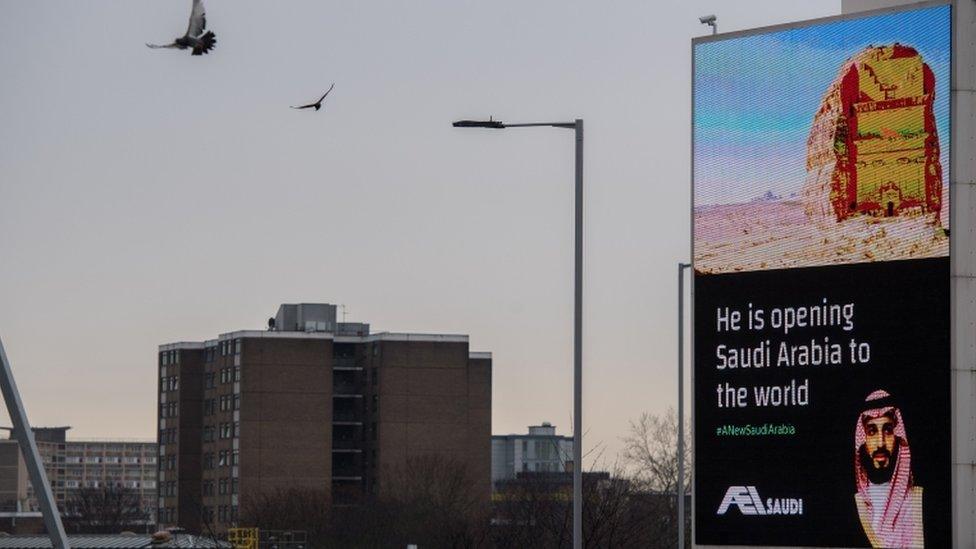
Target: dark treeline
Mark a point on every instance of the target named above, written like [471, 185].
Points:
[434, 502]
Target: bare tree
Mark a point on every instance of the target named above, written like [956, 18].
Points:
[110, 509]
[435, 501]
[536, 510]
[428, 500]
[305, 509]
[651, 454]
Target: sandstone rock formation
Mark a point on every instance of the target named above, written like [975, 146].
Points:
[873, 148]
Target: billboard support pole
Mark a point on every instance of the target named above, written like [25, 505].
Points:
[28, 447]
[680, 488]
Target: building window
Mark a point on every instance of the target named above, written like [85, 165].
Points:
[222, 459]
[234, 460]
[233, 486]
[223, 487]
[237, 402]
[237, 346]
[375, 377]
[209, 377]
[168, 409]
[208, 460]
[237, 373]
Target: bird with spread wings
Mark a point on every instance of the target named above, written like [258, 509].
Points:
[194, 37]
[318, 104]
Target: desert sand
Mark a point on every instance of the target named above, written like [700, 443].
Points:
[779, 235]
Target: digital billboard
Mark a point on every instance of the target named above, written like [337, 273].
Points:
[821, 283]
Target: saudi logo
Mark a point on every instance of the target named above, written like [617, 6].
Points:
[747, 500]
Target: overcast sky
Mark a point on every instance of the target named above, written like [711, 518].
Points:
[147, 196]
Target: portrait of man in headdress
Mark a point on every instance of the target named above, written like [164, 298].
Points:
[889, 504]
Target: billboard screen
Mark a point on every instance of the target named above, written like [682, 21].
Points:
[821, 283]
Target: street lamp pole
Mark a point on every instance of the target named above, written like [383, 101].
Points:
[680, 489]
[578, 351]
[577, 126]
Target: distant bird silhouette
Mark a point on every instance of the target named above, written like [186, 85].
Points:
[192, 38]
[317, 104]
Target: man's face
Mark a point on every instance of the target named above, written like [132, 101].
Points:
[880, 442]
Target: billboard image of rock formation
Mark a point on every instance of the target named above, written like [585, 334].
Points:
[874, 148]
[834, 151]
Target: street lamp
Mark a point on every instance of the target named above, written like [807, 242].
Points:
[576, 125]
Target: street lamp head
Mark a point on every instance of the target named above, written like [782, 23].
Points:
[490, 123]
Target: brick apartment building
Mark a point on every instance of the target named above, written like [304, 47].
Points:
[75, 464]
[312, 403]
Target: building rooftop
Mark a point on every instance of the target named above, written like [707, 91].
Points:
[317, 321]
[545, 430]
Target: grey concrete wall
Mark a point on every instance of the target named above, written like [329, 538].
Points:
[962, 207]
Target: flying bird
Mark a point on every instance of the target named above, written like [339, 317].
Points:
[317, 104]
[193, 39]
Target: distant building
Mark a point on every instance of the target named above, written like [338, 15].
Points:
[312, 403]
[74, 464]
[539, 451]
[549, 486]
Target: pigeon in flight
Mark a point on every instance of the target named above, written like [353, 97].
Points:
[317, 104]
[193, 39]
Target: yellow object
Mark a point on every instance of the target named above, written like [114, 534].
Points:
[243, 538]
